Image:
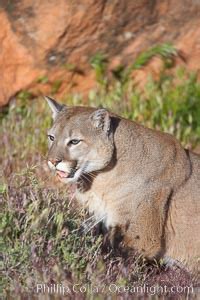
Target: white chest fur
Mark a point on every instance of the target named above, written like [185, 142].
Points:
[97, 206]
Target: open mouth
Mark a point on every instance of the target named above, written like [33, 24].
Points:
[62, 174]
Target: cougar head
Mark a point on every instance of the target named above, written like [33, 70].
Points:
[80, 141]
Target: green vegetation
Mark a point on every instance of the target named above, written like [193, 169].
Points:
[41, 228]
[56, 86]
[43, 79]
[170, 104]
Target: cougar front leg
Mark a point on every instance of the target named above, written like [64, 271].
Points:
[145, 232]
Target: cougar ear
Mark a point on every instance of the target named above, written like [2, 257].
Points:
[101, 120]
[55, 106]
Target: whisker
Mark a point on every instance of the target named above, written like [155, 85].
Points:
[86, 178]
[96, 223]
[91, 175]
[88, 219]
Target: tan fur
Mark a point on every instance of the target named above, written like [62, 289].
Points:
[133, 178]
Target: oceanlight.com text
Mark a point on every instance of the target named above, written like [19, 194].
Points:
[61, 289]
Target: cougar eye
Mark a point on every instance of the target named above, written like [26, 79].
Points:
[51, 137]
[74, 142]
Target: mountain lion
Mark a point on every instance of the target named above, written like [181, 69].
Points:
[131, 178]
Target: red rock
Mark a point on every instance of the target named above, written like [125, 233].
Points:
[55, 40]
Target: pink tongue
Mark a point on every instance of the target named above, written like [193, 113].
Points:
[62, 174]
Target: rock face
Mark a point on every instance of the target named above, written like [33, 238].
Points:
[49, 43]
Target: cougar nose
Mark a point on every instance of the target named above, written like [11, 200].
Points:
[55, 161]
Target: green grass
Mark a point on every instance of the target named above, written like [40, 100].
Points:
[41, 236]
[170, 104]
